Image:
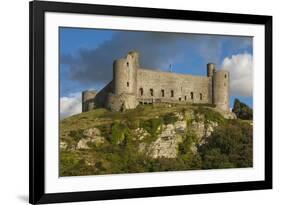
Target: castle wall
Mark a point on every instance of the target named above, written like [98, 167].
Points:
[176, 87]
[102, 96]
[92, 99]
[132, 84]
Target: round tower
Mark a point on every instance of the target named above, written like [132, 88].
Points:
[88, 100]
[221, 90]
[135, 57]
[211, 69]
[125, 74]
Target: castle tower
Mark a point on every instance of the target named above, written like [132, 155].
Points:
[88, 100]
[221, 90]
[125, 74]
[211, 69]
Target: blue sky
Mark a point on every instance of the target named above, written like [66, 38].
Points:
[86, 57]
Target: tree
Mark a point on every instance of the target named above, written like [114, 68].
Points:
[242, 110]
[228, 146]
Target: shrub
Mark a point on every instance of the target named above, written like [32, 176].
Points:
[151, 125]
[119, 134]
[72, 165]
[170, 118]
[215, 159]
[185, 146]
[210, 115]
[76, 135]
[229, 146]
[105, 130]
[132, 122]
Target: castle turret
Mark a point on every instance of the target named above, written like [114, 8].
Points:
[88, 100]
[221, 90]
[125, 74]
[124, 90]
[135, 58]
[211, 69]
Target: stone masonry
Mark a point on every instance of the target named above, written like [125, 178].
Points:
[132, 85]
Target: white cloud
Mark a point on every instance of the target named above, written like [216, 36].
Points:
[70, 105]
[240, 67]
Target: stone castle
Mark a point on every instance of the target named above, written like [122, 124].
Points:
[132, 85]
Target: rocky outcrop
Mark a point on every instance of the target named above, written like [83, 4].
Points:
[202, 129]
[180, 127]
[63, 145]
[140, 134]
[83, 144]
[92, 135]
[170, 136]
[166, 145]
[162, 144]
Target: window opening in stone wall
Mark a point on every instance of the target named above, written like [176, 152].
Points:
[163, 93]
[179, 99]
[185, 98]
[127, 64]
[191, 95]
[201, 97]
[225, 76]
[172, 93]
[141, 91]
[151, 92]
[127, 84]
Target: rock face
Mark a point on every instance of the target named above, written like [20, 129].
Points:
[167, 138]
[92, 135]
[83, 144]
[171, 135]
[63, 145]
[140, 134]
[92, 132]
[202, 129]
[166, 145]
[180, 126]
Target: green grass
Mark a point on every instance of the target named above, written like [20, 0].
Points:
[209, 114]
[98, 117]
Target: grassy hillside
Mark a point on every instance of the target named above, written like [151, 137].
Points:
[127, 141]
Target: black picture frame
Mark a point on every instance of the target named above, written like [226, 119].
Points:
[37, 9]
